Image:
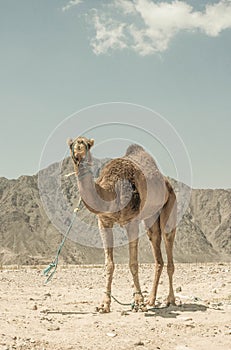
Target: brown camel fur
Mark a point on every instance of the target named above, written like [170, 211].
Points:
[129, 190]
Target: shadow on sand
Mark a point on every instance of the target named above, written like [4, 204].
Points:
[70, 313]
[165, 312]
[174, 311]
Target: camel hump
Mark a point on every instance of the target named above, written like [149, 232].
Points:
[134, 149]
[144, 161]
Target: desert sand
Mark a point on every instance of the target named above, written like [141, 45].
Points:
[61, 314]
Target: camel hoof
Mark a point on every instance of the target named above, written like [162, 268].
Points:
[103, 309]
[176, 302]
[168, 304]
[171, 302]
[143, 308]
[150, 302]
[139, 307]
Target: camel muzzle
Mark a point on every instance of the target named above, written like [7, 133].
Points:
[80, 154]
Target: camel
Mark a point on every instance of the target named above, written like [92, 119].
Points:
[129, 190]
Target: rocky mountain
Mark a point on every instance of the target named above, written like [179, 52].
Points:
[35, 212]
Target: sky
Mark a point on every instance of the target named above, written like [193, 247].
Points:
[60, 57]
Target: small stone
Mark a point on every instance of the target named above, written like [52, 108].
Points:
[145, 292]
[214, 291]
[190, 326]
[124, 313]
[45, 311]
[139, 343]
[185, 319]
[35, 307]
[112, 335]
[195, 299]
[53, 328]
[178, 289]
[47, 295]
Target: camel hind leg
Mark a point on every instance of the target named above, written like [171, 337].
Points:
[168, 229]
[154, 234]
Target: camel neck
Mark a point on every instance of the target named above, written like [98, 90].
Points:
[96, 198]
[87, 187]
[83, 170]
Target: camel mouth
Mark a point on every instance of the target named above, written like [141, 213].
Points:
[78, 158]
[79, 149]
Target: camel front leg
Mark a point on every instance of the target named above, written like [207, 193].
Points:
[154, 234]
[168, 228]
[133, 232]
[107, 238]
[169, 239]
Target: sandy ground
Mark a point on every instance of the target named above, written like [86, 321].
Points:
[61, 314]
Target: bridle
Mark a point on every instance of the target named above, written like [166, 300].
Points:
[73, 150]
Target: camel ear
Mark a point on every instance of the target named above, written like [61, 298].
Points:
[90, 143]
[69, 142]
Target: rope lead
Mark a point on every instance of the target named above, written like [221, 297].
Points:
[53, 265]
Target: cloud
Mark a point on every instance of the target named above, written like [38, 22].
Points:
[109, 35]
[127, 6]
[147, 26]
[70, 4]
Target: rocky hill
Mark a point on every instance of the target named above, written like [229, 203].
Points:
[27, 236]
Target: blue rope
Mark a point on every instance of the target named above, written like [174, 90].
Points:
[53, 265]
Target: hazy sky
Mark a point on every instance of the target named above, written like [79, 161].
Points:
[60, 56]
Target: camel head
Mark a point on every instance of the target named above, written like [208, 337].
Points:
[79, 148]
